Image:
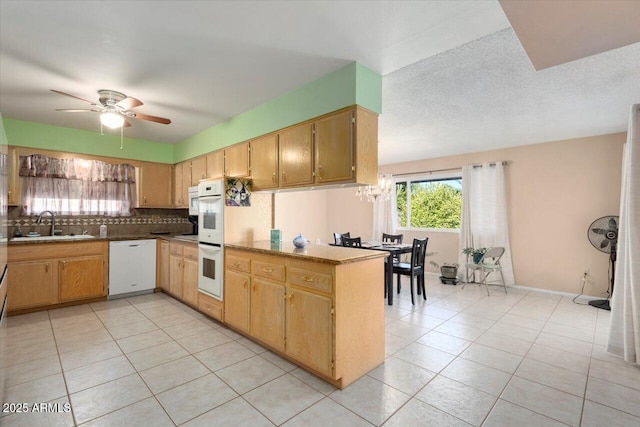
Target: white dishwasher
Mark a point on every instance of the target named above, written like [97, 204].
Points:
[132, 267]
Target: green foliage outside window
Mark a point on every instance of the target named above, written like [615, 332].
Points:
[434, 204]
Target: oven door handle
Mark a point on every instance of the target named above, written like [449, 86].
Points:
[210, 247]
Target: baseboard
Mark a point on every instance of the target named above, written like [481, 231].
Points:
[532, 289]
[549, 291]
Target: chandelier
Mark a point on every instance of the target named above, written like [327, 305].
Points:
[372, 192]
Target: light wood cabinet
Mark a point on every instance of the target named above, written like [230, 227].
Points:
[295, 156]
[333, 141]
[181, 183]
[236, 160]
[40, 276]
[32, 284]
[210, 306]
[264, 162]
[267, 313]
[190, 280]
[326, 317]
[310, 329]
[236, 299]
[155, 185]
[163, 273]
[198, 170]
[215, 164]
[81, 278]
[183, 272]
[175, 270]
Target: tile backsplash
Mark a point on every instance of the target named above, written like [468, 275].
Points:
[142, 222]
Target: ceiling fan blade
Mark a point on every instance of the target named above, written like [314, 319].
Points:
[126, 124]
[77, 111]
[151, 118]
[604, 244]
[73, 96]
[129, 103]
[599, 230]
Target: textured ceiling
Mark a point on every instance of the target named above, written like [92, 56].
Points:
[202, 62]
[486, 95]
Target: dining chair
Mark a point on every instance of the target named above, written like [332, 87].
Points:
[393, 239]
[489, 263]
[355, 242]
[415, 268]
[337, 237]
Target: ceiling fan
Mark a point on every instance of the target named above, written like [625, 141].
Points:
[114, 108]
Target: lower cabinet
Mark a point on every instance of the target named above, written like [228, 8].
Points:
[236, 299]
[310, 329]
[32, 284]
[81, 278]
[183, 272]
[293, 306]
[267, 313]
[41, 275]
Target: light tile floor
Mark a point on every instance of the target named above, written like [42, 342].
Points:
[460, 358]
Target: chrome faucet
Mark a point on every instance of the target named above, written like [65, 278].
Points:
[53, 221]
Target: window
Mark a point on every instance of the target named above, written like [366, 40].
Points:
[76, 186]
[429, 202]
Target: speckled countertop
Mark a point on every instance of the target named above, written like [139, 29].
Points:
[317, 253]
[67, 239]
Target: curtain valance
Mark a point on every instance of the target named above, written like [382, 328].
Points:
[41, 166]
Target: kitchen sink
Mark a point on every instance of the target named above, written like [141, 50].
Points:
[49, 238]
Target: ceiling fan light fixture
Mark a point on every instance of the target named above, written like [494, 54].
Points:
[112, 120]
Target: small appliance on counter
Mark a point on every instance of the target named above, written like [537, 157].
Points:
[193, 219]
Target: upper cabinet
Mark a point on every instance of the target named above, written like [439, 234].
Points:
[264, 162]
[198, 169]
[334, 147]
[236, 160]
[181, 183]
[155, 185]
[215, 164]
[337, 148]
[295, 156]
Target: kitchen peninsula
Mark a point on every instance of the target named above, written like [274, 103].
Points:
[321, 306]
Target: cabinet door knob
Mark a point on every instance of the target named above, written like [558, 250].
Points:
[46, 268]
[273, 178]
[284, 176]
[319, 171]
[244, 284]
[291, 298]
[145, 200]
[267, 270]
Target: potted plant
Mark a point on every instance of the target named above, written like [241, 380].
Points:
[476, 254]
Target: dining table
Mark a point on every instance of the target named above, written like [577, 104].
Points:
[394, 250]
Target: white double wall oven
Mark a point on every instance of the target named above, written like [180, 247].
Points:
[211, 237]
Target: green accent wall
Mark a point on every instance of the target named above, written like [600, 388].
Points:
[46, 137]
[368, 89]
[353, 84]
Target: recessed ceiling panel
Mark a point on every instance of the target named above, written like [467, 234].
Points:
[559, 31]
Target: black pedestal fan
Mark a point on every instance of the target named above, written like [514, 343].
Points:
[603, 235]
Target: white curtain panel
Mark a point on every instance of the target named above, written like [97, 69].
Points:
[385, 214]
[484, 214]
[624, 327]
